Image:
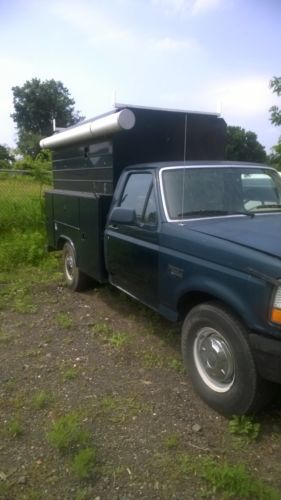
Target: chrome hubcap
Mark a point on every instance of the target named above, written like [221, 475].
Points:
[69, 266]
[214, 359]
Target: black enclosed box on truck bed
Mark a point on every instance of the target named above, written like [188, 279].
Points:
[89, 158]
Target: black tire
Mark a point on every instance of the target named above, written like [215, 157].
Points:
[75, 279]
[219, 361]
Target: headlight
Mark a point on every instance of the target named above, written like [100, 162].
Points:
[276, 307]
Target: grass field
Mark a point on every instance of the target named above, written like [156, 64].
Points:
[22, 226]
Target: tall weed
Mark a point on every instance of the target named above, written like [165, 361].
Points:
[22, 222]
[21, 205]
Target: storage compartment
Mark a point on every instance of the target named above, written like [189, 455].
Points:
[81, 218]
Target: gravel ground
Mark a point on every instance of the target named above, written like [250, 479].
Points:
[116, 367]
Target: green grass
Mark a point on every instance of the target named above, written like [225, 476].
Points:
[18, 248]
[41, 400]
[118, 339]
[102, 329]
[84, 463]
[244, 427]
[70, 374]
[67, 433]
[15, 428]
[22, 223]
[17, 289]
[152, 359]
[216, 478]
[176, 364]
[235, 482]
[110, 336]
[64, 321]
[21, 202]
[172, 441]
[82, 494]
[119, 409]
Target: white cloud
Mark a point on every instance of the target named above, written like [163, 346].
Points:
[205, 6]
[90, 21]
[245, 103]
[249, 96]
[193, 7]
[100, 28]
[175, 5]
[13, 72]
[169, 44]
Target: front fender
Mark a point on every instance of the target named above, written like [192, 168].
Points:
[248, 296]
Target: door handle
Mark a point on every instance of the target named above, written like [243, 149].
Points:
[113, 226]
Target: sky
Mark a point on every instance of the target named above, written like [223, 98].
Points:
[202, 55]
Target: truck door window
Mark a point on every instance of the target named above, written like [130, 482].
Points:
[136, 193]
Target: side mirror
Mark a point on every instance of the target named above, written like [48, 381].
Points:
[121, 215]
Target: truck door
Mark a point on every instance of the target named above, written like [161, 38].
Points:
[131, 249]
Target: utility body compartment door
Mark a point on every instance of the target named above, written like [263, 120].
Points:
[131, 249]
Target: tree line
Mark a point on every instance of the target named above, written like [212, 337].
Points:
[37, 103]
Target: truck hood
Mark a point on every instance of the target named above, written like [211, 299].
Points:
[261, 232]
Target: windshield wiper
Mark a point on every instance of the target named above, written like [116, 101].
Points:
[213, 213]
[265, 207]
[241, 212]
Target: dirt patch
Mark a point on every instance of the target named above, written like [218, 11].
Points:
[116, 366]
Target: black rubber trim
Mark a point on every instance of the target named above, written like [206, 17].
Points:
[267, 354]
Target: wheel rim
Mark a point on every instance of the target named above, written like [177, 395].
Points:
[69, 264]
[214, 360]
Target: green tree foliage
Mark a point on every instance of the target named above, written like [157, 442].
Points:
[275, 112]
[243, 145]
[39, 167]
[275, 157]
[275, 118]
[6, 158]
[36, 104]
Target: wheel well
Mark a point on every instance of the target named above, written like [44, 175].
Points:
[61, 242]
[190, 300]
[194, 298]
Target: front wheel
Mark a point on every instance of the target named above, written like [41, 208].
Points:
[75, 279]
[220, 363]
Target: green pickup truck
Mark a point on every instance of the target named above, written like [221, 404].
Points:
[142, 199]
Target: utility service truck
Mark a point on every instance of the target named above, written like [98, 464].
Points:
[144, 200]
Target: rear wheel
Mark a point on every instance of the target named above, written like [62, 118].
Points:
[75, 279]
[220, 363]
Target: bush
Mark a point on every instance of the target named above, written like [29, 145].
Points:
[39, 167]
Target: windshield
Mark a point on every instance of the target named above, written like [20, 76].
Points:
[216, 191]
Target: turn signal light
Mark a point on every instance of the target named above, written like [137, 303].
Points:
[276, 315]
